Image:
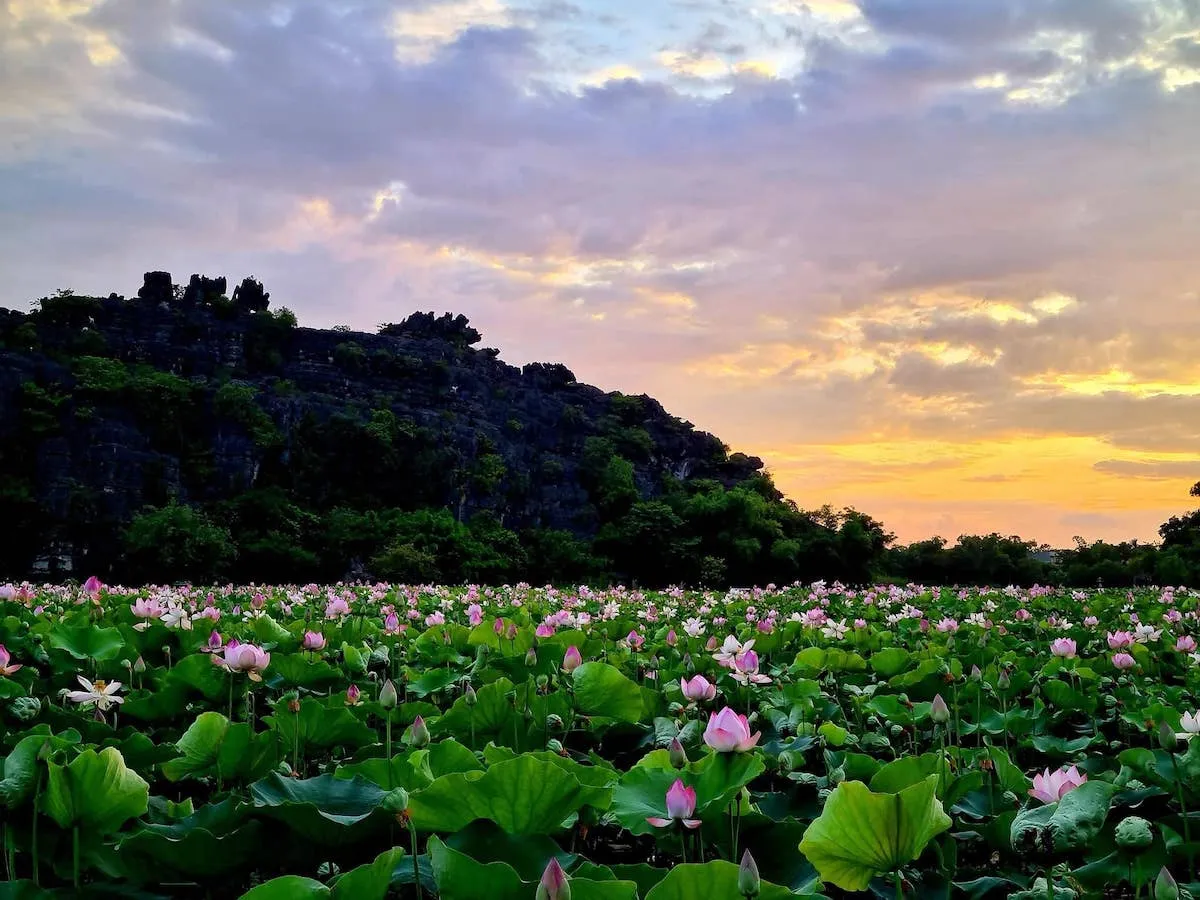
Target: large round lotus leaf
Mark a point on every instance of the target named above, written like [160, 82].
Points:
[717, 880]
[523, 796]
[95, 791]
[860, 834]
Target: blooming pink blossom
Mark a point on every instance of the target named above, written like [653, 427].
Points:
[681, 805]
[5, 668]
[1119, 640]
[729, 732]
[474, 614]
[699, 688]
[244, 658]
[1090, 621]
[545, 630]
[1063, 647]
[1049, 787]
[745, 669]
[1123, 660]
[1185, 644]
[635, 640]
[313, 641]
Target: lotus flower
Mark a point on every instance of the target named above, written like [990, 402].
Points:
[1123, 661]
[1119, 640]
[1050, 787]
[1185, 644]
[749, 881]
[729, 732]
[100, 694]
[419, 732]
[745, 669]
[313, 641]
[699, 688]
[353, 695]
[244, 658]
[92, 586]
[635, 640]
[681, 804]
[1190, 723]
[5, 667]
[572, 659]
[939, 711]
[388, 695]
[554, 884]
[1063, 647]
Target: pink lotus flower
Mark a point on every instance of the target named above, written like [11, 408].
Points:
[1185, 644]
[1119, 640]
[729, 732]
[1091, 621]
[545, 630]
[947, 626]
[5, 668]
[745, 669]
[92, 586]
[1050, 787]
[635, 640]
[1063, 647]
[244, 658]
[553, 885]
[353, 695]
[1123, 661]
[672, 638]
[699, 688]
[681, 804]
[313, 641]
[498, 627]
[337, 607]
[474, 614]
[214, 643]
[572, 659]
[1022, 615]
[145, 608]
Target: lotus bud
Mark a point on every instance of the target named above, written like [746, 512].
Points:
[749, 882]
[677, 753]
[531, 657]
[1003, 682]
[395, 801]
[554, 884]
[511, 631]
[418, 733]
[1166, 737]
[976, 674]
[388, 698]
[572, 659]
[1165, 887]
[672, 638]
[939, 711]
[139, 665]
[688, 665]
[128, 664]
[1133, 833]
[469, 696]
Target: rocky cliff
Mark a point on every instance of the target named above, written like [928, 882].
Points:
[108, 405]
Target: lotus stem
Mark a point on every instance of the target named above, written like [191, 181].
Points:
[75, 856]
[1187, 828]
[412, 833]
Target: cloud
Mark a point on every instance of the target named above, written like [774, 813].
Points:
[814, 225]
[1159, 469]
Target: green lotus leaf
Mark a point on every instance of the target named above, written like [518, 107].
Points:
[1071, 823]
[890, 661]
[287, 887]
[88, 641]
[318, 725]
[523, 796]
[459, 877]
[716, 879]
[861, 834]
[370, 881]
[95, 791]
[210, 842]
[325, 810]
[602, 690]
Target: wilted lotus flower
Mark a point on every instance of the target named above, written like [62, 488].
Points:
[5, 667]
[729, 732]
[244, 658]
[1063, 647]
[572, 659]
[313, 641]
[554, 884]
[699, 688]
[1050, 787]
[681, 804]
[1123, 661]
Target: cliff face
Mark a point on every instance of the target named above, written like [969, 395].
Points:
[108, 405]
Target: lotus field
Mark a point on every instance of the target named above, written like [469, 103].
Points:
[371, 741]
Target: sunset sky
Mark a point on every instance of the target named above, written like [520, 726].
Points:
[936, 259]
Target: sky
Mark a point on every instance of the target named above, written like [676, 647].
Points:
[934, 259]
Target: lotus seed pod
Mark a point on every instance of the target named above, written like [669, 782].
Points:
[554, 745]
[897, 730]
[837, 776]
[554, 722]
[786, 761]
[823, 794]
[25, 709]
[395, 801]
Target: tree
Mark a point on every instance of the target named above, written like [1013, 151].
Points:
[176, 542]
